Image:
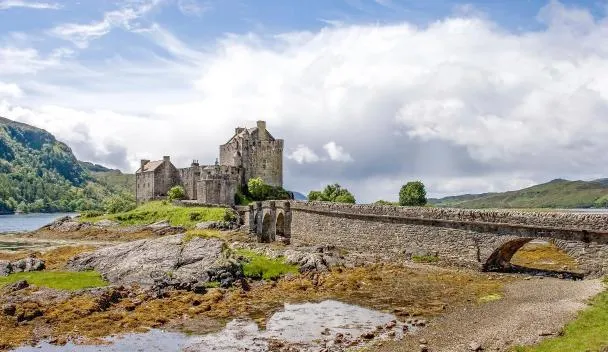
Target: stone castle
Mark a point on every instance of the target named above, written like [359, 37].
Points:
[250, 153]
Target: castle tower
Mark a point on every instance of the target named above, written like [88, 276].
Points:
[256, 152]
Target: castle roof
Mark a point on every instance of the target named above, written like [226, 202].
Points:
[151, 166]
[249, 131]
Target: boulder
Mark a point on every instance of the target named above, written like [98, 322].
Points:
[21, 265]
[5, 267]
[161, 262]
[309, 261]
[27, 264]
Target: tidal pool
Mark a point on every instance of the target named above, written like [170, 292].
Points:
[308, 326]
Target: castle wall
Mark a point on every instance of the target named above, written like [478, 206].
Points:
[266, 162]
[144, 189]
[189, 179]
[165, 177]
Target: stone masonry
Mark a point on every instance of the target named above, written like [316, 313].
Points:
[250, 153]
[485, 240]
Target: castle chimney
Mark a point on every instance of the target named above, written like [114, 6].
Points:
[262, 130]
[166, 158]
[143, 163]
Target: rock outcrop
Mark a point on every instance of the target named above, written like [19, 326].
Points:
[21, 265]
[166, 261]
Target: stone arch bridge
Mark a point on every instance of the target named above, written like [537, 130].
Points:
[482, 239]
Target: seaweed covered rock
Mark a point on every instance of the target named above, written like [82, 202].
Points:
[167, 261]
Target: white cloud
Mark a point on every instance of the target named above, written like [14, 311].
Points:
[9, 4]
[124, 17]
[336, 152]
[192, 7]
[303, 155]
[461, 104]
[10, 90]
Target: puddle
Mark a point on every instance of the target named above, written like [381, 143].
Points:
[307, 326]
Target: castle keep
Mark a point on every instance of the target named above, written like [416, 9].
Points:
[250, 153]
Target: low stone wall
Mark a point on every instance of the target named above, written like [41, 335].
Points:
[590, 222]
[468, 238]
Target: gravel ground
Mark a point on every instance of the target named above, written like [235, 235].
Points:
[530, 311]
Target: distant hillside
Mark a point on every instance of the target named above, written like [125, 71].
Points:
[116, 179]
[40, 174]
[558, 193]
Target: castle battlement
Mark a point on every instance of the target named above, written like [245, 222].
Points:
[249, 153]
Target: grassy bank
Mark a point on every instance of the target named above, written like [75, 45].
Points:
[261, 267]
[58, 280]
[152, 212]
[589, 332]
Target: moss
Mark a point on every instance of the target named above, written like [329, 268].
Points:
[490, 298]
[425, 258]
[176, 215]
[58, 280]
[190, 234]
[543, 256]
[258, 266]
[589, 332]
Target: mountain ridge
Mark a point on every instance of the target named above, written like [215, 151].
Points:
[557, 193]
[39, 173]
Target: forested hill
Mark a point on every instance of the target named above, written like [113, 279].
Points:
[558, 193]
[40, 174]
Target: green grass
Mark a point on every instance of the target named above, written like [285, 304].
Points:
[58, 280]
[425, 258]
[155, 211]
[589, 332]
[207, 233]
[261, 267]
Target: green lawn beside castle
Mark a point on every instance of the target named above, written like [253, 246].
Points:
[155, 211]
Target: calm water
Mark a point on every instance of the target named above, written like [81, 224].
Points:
[26, 222]
[306, 325]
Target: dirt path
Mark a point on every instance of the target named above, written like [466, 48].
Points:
[530, 308]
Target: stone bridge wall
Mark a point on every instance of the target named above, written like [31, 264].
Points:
[473, 238]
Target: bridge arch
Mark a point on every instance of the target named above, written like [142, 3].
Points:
[266, 228]
[500, 259]
[280, 224]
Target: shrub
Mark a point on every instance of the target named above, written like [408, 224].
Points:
[176, 193]
[332, 193]
[91, 214]
[258, 190]
[119, 203]
[412, 194]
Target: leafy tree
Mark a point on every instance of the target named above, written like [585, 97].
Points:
[259, 190]
[412, 194]
[332, 193]
[119, 203]
[176, 193]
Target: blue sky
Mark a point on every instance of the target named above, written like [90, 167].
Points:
[467, 96]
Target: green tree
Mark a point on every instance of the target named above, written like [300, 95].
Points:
[412, 194]
[176, 193]
[257, 188]
[332, 193]
[119, 203]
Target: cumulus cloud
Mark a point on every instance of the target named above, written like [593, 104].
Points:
[8, 4]
[10, 90]
[462, 104]
[303, 155]
[336, 152]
